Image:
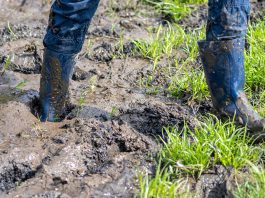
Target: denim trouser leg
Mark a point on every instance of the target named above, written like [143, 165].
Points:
[227, 19]
[68, 23]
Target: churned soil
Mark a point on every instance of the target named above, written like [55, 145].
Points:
[114, 127]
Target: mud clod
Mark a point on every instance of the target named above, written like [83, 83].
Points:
[50, 194]
[105, 31]
[215, 184]
[102, 53]
[80, 74]
[20, 31]
[13, 174]
[25, 59]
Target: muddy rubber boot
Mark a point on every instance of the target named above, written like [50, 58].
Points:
[223, 63]
[56, 72]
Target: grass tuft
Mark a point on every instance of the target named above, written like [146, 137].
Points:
[174, 10]
[214, 142]
[190, 152]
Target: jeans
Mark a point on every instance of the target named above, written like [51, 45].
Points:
[227, 19]
[68, 24]
[69, 21]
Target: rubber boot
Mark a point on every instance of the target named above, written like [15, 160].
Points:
[56, 72]
[223, 63]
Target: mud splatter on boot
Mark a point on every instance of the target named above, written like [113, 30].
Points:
[55, 77]
[223, 63]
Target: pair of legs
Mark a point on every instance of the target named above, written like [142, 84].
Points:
[221, 53]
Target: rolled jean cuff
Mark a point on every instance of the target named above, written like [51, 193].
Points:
[227, 19]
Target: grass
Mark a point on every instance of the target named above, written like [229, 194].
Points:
[20, 85]
[162, 43]
[190, 152]
[214, 142]
[174, 10]
[255, 65]
[166, 44]
[11, 31]
[90, 88]
[161, 185]
[190, 83]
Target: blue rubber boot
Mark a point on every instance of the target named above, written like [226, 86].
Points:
[56, 73]
[222, 55]
[223, 63]
[68, 24]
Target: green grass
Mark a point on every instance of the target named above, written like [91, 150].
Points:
[166, 44]
[174, 10]
[255, 59]
[255, 65]
[188, 153]
[214, 142]
[189, 82]
[161, 185]
[90, 88]
[162, 43]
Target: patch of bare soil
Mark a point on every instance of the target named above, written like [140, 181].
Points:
[97, 150]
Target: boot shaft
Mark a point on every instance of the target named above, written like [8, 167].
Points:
[56, 73]
[223, 63]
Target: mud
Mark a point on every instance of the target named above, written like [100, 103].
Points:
[98, 149]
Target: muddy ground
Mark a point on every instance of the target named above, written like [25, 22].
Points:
[114, 130]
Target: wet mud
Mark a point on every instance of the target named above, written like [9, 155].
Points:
[115, 126]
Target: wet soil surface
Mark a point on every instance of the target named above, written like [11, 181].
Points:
[102, 144]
